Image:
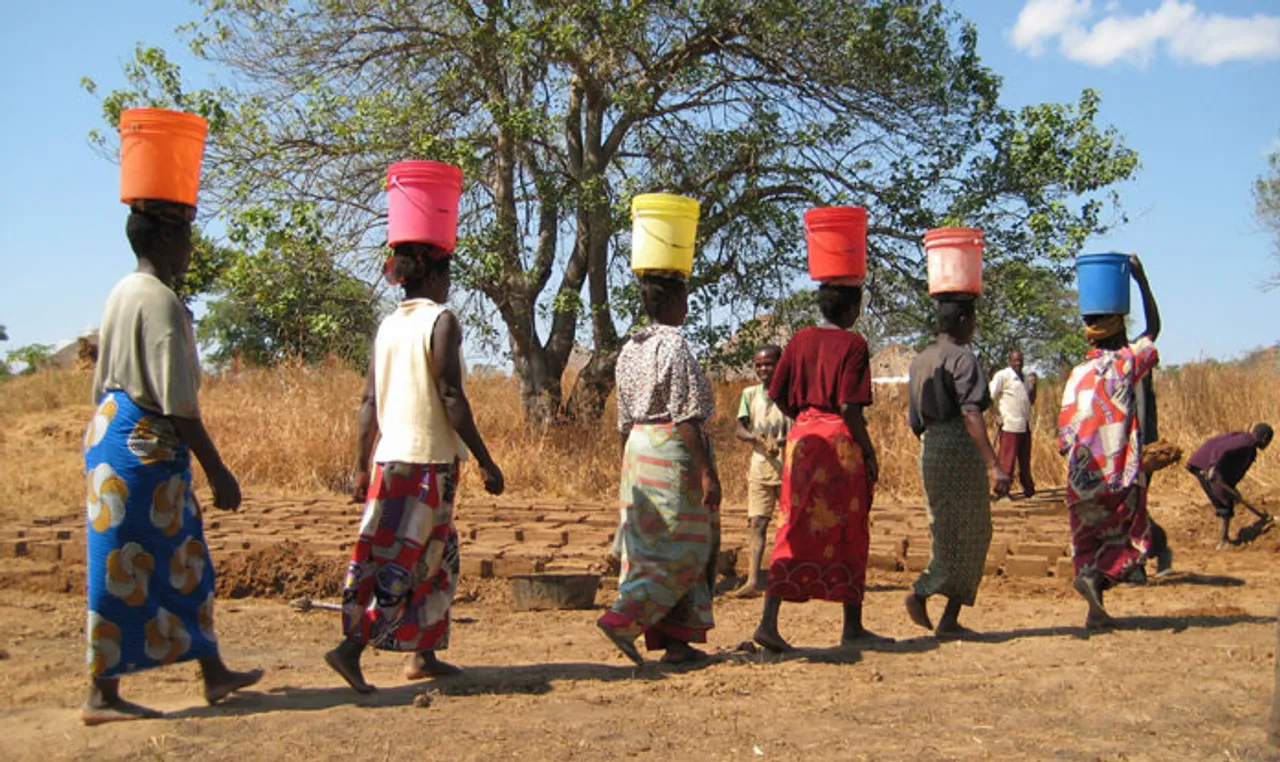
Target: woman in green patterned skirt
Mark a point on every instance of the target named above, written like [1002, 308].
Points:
[948, 394]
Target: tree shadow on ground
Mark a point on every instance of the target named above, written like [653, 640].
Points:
[525, 679]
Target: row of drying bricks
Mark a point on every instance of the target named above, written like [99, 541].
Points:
[495, 545]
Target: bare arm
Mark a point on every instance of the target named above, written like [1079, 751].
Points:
[977, 429]
[367, 420]
[696, 443]
[1149, 307]
[226, 491]
[446, 364]
[855, 418]
[743, 433]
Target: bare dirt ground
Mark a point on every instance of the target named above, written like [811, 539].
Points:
[1188, 677]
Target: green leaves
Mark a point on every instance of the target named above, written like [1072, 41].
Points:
[1266, 197]
[559, 111]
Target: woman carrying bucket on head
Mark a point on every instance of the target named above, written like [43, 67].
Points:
[150, 577]
[404, 568]
[823, 382]
[1098, 432]
[670, 489]
[947, 396]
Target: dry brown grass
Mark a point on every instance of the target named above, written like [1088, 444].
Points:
[292, 429]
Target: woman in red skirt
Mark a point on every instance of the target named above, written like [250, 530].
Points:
[824, 381]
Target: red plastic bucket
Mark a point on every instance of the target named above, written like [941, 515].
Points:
[160, 155]
[837, 237]
[422, 203]
[954, 258]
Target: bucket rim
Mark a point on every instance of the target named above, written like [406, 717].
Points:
[653, 202]
[941, 233]
[174, 121]
[424, 170]
[1103, 256]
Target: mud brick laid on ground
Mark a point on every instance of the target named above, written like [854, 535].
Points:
[1065, 568]
[508, 566]
[45, 552]
[883, 557]
[992, 565]
[73, 552]
[1026, 566]
[479, 568]
[1051, 551]
[14, 548]
[916, 560]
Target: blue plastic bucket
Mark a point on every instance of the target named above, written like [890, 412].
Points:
[1102, 282]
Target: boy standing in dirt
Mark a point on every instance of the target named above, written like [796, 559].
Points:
[762, 424]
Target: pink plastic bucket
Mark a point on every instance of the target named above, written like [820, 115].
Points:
[955, 260]
[422, 203]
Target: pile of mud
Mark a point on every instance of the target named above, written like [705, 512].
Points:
[285, 570]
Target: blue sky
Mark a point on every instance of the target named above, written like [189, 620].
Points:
[1194, 86]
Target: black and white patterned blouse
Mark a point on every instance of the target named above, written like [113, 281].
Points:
[658, 379]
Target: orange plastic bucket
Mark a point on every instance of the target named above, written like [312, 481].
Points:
[954, 258]
[160, 155]
[837, 237]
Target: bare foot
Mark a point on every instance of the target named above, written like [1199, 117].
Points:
[864, 637]
[1098, 618]
[749, 590]
[954, 631]
[422, 667]
[918, 611]
[117, 710]
[229, 682]
[624, 644]
[1104, 622]
[348, 671]
[682, 653]
[770, 639]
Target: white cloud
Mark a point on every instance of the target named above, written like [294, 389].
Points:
[1180, 29]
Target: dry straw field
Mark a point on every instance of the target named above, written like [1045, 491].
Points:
[292, 430]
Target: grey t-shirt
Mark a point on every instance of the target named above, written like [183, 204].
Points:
[146, 348]
[946, 381]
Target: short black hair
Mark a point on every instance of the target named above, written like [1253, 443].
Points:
[658, 291]
[772, 349]
[414, 263]
[951, 312]
[835, 301]
[152, 224]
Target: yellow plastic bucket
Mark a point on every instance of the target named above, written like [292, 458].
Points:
[663, 229]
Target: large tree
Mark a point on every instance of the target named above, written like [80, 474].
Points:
[1266, 197]
[559, 111]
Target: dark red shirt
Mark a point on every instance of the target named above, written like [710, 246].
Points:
[822, 368]
[1230, 454]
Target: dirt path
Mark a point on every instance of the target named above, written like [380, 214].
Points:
[1189, 678]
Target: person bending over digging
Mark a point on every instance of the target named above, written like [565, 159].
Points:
[404, 568]
[1098, 432]
[1220, 464]
[764, 426]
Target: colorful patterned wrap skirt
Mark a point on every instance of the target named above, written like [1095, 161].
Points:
[820, 550]
[669, 542]
[959, 505]
[1111, 534]
[404, 569]
[150, 578]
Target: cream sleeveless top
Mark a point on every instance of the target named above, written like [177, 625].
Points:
[411, 416]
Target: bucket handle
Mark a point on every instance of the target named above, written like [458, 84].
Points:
[660, 239]
[409, 197]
